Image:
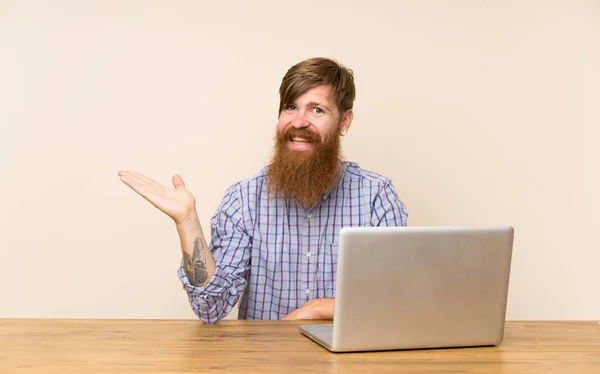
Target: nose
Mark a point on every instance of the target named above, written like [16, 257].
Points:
[300, 121]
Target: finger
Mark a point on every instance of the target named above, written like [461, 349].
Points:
[149, 185]
[132, 182]
[140, 177]
[178, 181]
[135, 185]
[290, 316]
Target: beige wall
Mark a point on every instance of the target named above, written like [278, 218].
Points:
[480, 112]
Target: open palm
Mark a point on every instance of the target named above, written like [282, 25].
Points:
[178, 203]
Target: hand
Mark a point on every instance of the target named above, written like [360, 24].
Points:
[313, 309]
[178, 203]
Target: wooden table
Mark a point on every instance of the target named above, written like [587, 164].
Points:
[157, 346]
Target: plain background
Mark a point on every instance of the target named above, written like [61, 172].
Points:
[481, 112]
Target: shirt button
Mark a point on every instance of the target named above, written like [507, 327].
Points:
[308, 254]
[324, 198]
[307, 292]
[309, 216]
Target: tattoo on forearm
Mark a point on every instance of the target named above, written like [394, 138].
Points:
[195, 265]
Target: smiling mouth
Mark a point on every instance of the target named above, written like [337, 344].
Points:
[299, 140]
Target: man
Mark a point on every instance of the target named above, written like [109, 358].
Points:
[274, 237]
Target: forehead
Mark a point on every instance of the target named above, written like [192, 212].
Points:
[318, 94]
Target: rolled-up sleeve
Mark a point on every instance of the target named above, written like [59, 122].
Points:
[231, 247]
[388, 210]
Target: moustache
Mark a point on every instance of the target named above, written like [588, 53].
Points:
[305, 134]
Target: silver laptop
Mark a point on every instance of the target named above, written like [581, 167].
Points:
[418, 287]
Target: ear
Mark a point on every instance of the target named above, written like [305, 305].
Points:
[347, 119]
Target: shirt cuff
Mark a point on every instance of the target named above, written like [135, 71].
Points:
[214, 287]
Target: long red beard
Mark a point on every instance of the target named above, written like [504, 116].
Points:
[303, 175]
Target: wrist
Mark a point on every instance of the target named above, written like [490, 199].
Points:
[189, 222]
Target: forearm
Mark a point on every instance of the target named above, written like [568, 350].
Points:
[198, 262]
[209, 306]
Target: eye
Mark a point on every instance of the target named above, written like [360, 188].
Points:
[290, 107]
[318, 110]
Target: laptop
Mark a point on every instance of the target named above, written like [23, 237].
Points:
[417, 288]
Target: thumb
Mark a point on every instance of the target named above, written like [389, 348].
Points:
[178, 181]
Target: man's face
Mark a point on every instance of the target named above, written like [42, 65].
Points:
[310, 121]
[307, 146]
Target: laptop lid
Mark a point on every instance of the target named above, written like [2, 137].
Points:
[421, 287]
